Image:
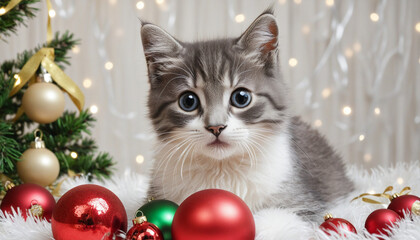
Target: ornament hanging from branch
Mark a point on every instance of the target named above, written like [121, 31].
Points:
[43, 101]
[38, 164]
[38, 104]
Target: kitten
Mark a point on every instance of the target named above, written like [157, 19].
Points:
[221, 112]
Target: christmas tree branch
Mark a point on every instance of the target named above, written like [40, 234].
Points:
[70, 133]
[67, 135]
[8, 148]
[16, 16]
[62, 44]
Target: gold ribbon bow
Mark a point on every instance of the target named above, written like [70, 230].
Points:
[9, 6]
[45, 57]
[386, 194]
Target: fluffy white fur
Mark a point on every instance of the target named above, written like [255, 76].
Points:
[271, 224]
[255, 183]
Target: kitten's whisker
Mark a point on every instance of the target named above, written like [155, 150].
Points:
[169, 157]
[258, 146]
[165, 159]
[184, 154]
[178, 147]
[249, 153]
[169, 142]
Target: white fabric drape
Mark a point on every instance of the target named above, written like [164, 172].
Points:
[334, 55]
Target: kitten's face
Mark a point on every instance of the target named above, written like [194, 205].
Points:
[220, 98]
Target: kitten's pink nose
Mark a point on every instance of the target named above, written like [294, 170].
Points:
[216, 130]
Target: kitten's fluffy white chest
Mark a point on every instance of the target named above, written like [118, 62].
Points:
[255, 183]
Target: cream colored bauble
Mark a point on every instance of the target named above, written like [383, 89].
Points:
[43, 102]
[38, 165]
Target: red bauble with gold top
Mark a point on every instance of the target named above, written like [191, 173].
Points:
[29, 197]
[143, 230]
[336, 225]
[408, 204]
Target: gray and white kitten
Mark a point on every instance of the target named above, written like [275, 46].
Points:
[221, 112]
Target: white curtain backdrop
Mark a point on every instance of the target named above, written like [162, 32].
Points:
[353, 67]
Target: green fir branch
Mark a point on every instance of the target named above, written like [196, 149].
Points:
[16, 16]
[9, 152]
[69, 134]
[62, 44]
[99, 167]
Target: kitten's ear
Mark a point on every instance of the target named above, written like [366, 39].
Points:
[261, 37]
[158, 43]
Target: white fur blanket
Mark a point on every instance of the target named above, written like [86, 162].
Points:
[271, 224]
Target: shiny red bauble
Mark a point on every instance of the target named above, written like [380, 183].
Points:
[408, 204]
[380, 221]
[29, 197]
[336, 225]
[143, 230]
[213, 214]
[88, 212]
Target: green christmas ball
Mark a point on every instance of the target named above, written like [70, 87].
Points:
[161, 213]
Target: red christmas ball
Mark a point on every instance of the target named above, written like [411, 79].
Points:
[380, 221]
[336, 225]
[406, 203]
[213, 214]
[29, 197]
[88, 212]
[143, 230]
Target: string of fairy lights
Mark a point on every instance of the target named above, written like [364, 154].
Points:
[293, 62]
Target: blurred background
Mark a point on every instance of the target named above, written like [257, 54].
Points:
[353, 67]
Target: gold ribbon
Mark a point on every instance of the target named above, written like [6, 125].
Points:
[49, 30]
[45, 57]
[385, 194]
[9, 6]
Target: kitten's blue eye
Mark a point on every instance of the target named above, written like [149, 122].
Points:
[188, 101]
[241, 98]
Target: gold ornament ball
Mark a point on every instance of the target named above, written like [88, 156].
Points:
[43, 102]
[39, 166]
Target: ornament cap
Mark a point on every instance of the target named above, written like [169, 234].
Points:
[9, 185]
[36, 210]
[44, 76]
[328, 216]
[38, 143]
[394, 196]
[139, 220]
